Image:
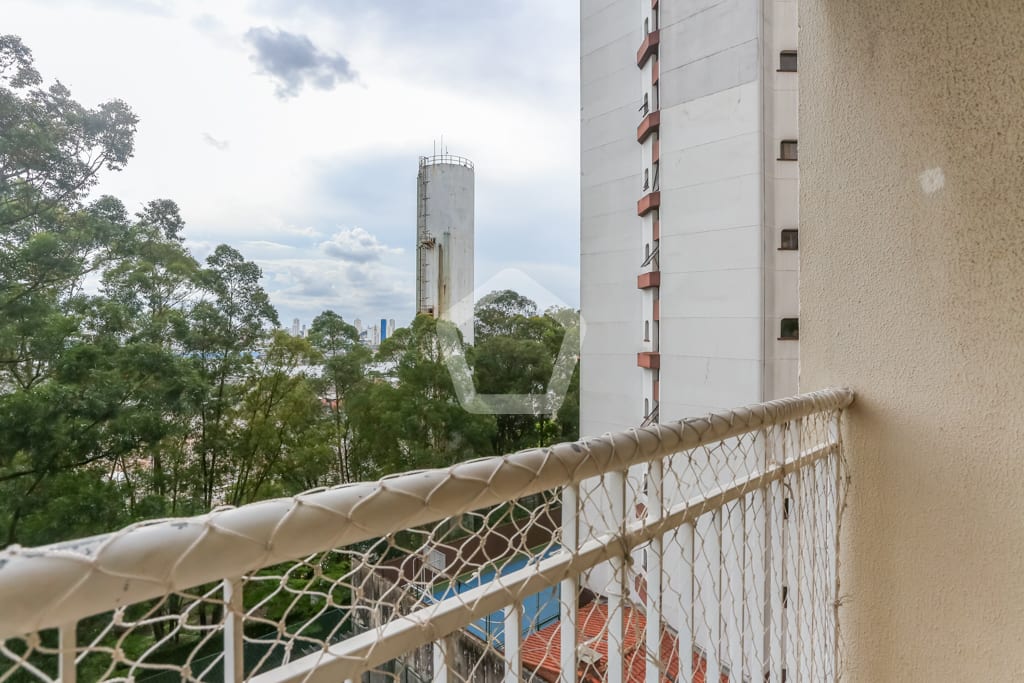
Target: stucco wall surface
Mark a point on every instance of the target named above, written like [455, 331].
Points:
[912, 292]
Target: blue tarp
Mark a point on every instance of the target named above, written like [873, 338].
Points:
[538, 610]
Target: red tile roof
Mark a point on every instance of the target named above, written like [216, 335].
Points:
[541, 651]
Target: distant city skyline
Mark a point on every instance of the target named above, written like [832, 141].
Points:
[291, 130]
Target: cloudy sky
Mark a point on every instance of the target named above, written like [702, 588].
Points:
[290, 129]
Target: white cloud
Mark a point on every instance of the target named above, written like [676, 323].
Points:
[356, 246]
[268, 245]
[307, 286]
[305, 231]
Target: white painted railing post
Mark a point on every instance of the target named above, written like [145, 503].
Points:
[796, 518]
[713, 607]
[686, 625]
[569, 587]
[68, 634]
[513, 642]
[775, 585]
[730, 646]
[234, 641]
[617, 590]
[444, 658]
[655, 509]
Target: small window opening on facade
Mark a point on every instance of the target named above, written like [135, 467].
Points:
[647, 26]
[785, 597]
[647, 179]
[787, 60]
[787, 150]
[647, 330]
[785, 508]
[790, 240]
[790, 328]
[646, 106]
[647, 407]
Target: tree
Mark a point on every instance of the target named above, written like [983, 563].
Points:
[418, 423]
[502, 313]
[509, 365]
[343, 371]
[85, 388]
[223, 334]
[278, 412]
[52, 147]
[516, 352]
[51, 150]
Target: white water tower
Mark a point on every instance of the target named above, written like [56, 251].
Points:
[444, 240]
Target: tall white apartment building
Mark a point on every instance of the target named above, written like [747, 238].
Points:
[689, 282]
[689, 207]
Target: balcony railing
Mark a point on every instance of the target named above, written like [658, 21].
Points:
[698, 550]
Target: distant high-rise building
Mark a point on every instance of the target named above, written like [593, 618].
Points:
[391, 327]
[376, 336]
[444, 240]
[358, 324]
[303, 333]
[295, 327]
[383, 329]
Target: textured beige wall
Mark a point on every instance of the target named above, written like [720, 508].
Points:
[912, 292]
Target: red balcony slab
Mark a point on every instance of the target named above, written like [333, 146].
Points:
[656, 230]
[649, 359]
[648, 48]
[648, 280]
[648, 126]
[657, 310]
[649, 202]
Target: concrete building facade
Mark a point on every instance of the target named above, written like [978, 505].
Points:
[689, 262]
[689, 207]
[444, 240]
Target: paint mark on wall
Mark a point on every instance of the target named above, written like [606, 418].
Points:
[932, 180]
